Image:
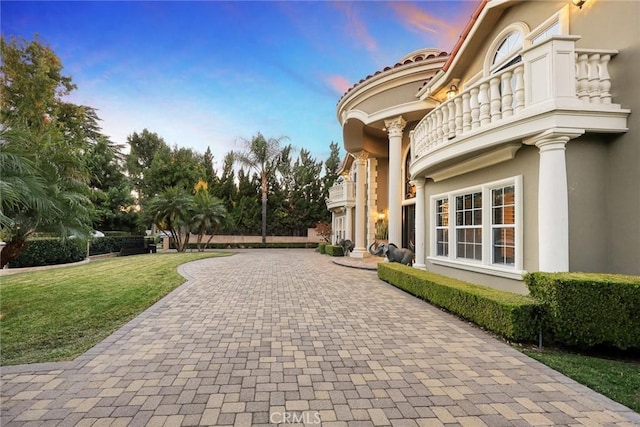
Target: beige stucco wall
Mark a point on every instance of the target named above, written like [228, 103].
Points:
[587, 182]
[526, 164]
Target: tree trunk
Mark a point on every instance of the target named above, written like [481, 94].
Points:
[264, 216]
[11, 251]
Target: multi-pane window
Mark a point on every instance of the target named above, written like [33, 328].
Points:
[469, 226]
[442, 227]
[511, 44]
[503, 220]
[479, 227]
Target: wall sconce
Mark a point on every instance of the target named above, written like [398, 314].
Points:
[452, 92]
[381, 216]
[579, 3]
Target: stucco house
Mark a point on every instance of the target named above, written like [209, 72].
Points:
[517, 152]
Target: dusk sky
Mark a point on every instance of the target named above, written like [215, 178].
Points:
[208, 73]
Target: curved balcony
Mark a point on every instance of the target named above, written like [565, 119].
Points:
[554, 86]
[342, 195]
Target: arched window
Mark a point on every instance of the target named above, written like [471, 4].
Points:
[508, 51]
[409, 188]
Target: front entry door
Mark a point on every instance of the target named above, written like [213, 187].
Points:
[409, 226]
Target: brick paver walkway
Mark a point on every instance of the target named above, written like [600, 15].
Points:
[270, 336]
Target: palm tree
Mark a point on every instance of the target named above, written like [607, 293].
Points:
[209, 213]
[263, 156]
[171, 211]
[38, 191]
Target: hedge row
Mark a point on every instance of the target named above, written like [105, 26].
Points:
[334, 250]
[105, 245]
[50, 251]
[268, 245]
[322, 247]
[512, 316]
[585, 309]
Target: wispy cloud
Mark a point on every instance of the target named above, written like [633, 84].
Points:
[355, 27]
[432, 27]
[338, 83]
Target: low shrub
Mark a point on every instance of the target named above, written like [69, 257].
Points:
[50, 252]
[334, 250]
[109, 244]
[322, 248]
[512, 316]
[268, 245]
[589, 309]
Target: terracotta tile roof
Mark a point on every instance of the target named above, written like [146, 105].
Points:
[417, 58]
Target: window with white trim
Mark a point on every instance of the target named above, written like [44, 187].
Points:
[503, 223]
[485, 233]
[442, 227]
[469, 226]
[508, 51]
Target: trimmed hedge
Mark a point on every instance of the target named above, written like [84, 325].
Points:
[268, 245]
[50, 251]
[334, 250]
[512, 316]
[322, 247]
[589, 309]
[105, 245]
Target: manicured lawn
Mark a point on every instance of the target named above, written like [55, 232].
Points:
[618, 380]
[59, 314]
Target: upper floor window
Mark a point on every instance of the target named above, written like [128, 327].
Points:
[509, 46]
[507, 53]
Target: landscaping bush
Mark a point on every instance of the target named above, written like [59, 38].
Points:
[105, 245]
[50, 252]
[268, 245]
[334, 250]
[588, 309]
[512, 316]
[322, 248]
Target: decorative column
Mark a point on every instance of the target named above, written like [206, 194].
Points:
[553, 199]
[360, 164]
[396, 182]
[420, 224]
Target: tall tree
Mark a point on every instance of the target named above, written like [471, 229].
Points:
[263, 156]
[144, 147]
[246, 210]
[174, 167]
[33, 84]
[307, 203]
[110, 188]
[48, 134]
[210, 174]
[227, 190]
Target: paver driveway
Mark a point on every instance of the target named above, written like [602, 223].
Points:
[273, 336]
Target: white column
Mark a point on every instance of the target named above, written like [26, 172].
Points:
[360, 164]
[420, 224]
[553, 199]
[348, 223]
[396, 182]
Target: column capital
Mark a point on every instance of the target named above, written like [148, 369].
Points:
[395, 126]
[553, 139]
[360, 156]
[418, 182]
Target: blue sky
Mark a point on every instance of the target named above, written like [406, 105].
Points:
[208, 73]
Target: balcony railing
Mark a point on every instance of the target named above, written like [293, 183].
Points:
[546, 74]
[342, 194]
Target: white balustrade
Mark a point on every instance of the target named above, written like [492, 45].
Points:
[501, 97]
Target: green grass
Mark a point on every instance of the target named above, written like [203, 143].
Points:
[618, 380]
[58, 314]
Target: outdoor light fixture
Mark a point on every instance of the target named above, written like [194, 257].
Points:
[579, 3]
[381, 216]
[452, 92]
